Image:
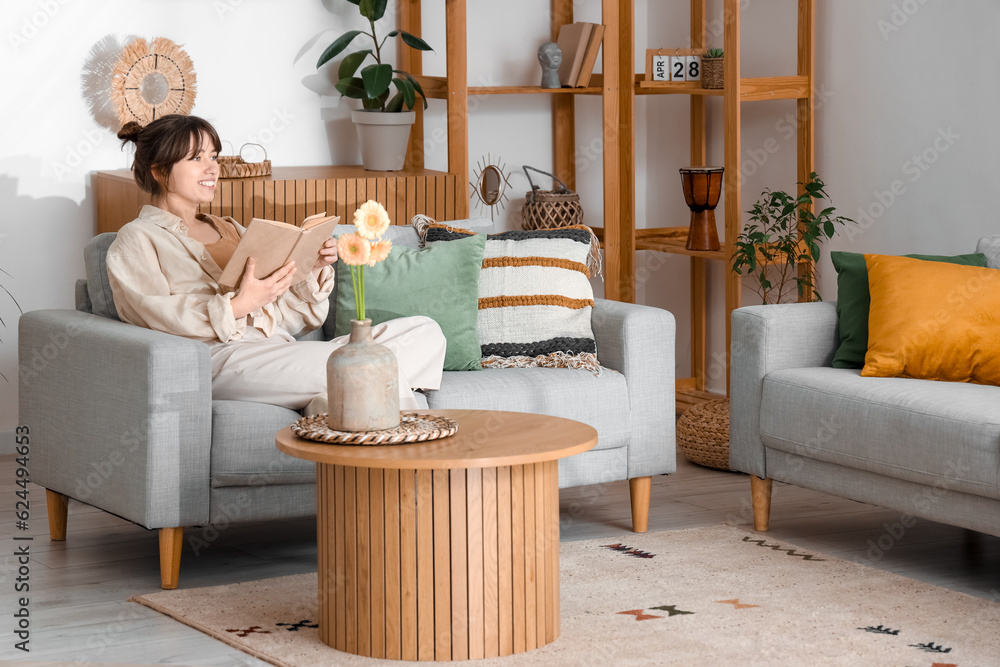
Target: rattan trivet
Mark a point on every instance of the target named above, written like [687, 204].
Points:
[413, 427]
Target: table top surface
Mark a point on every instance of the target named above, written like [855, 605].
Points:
[485, 439]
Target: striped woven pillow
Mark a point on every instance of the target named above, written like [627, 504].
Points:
[535, 297]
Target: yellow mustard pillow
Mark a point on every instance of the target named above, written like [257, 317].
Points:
[933, 321]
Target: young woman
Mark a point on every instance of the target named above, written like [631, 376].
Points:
[164, 267]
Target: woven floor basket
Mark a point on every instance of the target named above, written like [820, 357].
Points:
[703, 434]
[550, 209]
[712, 70]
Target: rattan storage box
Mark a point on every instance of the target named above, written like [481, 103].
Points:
[703, 434]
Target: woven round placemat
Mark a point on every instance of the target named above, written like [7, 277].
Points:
[413, 427]
[703, 434]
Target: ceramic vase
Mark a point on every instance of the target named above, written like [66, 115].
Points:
[383, 138]
[362, 384]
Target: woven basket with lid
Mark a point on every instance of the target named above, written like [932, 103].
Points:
[703, 434]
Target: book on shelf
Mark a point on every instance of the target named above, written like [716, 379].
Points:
[273, 244]
[572, 41]
[590, 55]
[580, 43]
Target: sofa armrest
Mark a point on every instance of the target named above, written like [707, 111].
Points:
[119, 416]
[766, 339]
[638, 341]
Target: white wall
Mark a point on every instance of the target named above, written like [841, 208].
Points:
[887, 94]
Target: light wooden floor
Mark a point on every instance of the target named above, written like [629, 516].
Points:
[79, 588]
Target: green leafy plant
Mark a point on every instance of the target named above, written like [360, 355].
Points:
[781, 233]
[374, 83]
[713, 53]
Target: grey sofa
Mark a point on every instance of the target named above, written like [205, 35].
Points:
[122, 418]
[927, 449]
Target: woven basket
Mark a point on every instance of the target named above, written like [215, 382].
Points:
[550, 209]
[234, 166]
[712, 70]
[703, 434]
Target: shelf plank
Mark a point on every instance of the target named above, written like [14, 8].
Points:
[750, 90]
[774, 88]
[531, 90]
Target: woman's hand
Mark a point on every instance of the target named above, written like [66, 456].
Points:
[254, 294]
[327, 256]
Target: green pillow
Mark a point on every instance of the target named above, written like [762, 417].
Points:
[441, 282]
[853, 301]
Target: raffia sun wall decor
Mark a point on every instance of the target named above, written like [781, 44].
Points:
[152, 79]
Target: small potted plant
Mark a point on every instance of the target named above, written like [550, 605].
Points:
[781, 233]
[712, 69]
[387, 95]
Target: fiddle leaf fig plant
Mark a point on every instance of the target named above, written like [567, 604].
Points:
[374, 83]
[781, 233]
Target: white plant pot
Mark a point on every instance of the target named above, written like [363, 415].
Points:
[383, 138]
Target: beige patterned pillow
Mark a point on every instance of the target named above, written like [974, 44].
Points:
[535, 297]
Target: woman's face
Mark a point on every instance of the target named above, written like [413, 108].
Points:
[193, 179]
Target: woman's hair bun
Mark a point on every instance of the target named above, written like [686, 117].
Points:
[130, 131]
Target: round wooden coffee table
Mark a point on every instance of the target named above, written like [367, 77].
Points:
[442, 550]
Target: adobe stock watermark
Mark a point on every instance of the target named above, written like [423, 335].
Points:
[75, 152]
[224, 7]
[899, 16]
[914, 169]
[280, 120]
[32, 24]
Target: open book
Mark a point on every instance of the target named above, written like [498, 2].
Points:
[273, 244]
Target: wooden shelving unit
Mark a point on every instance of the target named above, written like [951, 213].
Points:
[618, 86]
[736, 91]
[617, 109]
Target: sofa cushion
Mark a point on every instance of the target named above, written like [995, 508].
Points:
[990, 246]
[95, 254]
[439, 282]
[933, 321]
[942, 434]
[243, 449]
[598, 400]
[854, 301]
[535, 297]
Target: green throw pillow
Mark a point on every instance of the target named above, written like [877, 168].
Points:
[853, 301]
[440, 282]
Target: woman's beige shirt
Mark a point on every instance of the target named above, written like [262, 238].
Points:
[165, 280]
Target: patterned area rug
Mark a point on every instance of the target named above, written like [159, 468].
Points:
[716, 595]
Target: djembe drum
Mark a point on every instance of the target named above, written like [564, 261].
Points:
[702, 189]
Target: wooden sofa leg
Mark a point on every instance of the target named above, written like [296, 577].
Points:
[760, 490]
[638, 488]
[58, 509]
[171, 540]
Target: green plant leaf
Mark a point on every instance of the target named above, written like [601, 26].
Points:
[395, 105]
[415, 42]
[379, 9]
[367, 8]
[414, 83]
[349, 65]
[376, 79]
[338, 46]
[407, 90]
[351, 87]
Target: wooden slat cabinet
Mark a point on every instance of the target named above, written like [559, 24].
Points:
[290, 194]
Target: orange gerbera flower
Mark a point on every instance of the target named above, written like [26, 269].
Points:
[371, 219]
[379, 251]
[353, 250]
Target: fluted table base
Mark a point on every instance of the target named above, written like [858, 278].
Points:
[445, 564]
